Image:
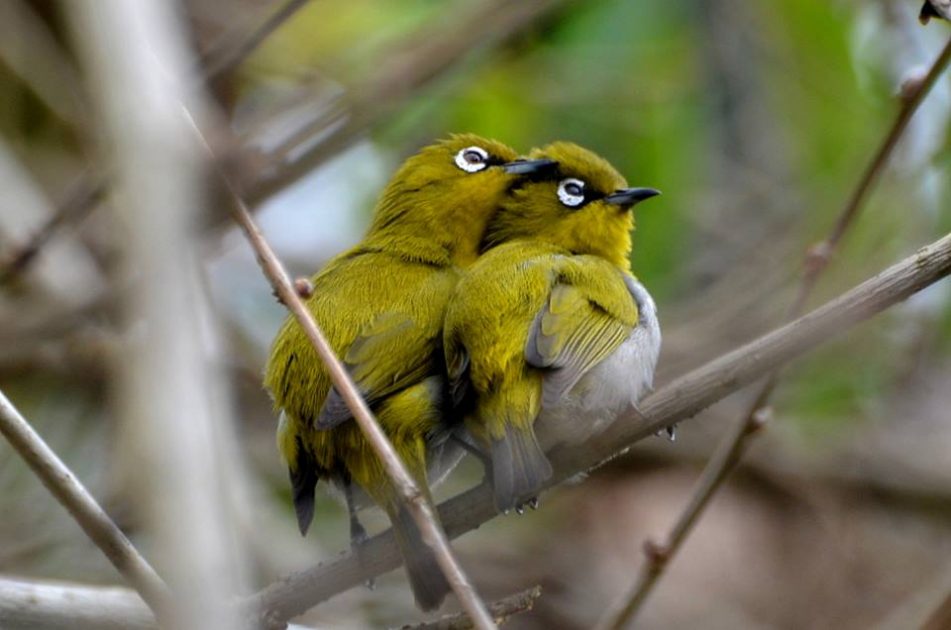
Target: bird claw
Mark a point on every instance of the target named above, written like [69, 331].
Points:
[520, 508]
[670, 432]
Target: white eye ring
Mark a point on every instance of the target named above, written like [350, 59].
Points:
[472, 159]
[571, 192]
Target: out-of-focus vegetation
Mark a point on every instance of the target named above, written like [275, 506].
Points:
[754, 118]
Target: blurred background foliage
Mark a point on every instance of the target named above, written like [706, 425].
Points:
[754, 118]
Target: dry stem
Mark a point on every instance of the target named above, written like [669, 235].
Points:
[410, 493]
[90, 516]
[675, 402]
[501, 610]
[730, 452]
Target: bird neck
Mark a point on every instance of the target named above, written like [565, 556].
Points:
[448, 237]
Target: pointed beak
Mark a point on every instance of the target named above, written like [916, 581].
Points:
[530, 167]
[628, 197]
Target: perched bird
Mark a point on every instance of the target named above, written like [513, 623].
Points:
[548, 335]
[381, 306]
[935, 9]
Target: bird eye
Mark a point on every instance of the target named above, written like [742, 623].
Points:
[571, 192]
[472, 159]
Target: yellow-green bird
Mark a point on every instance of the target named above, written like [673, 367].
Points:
[548, 335]
[381, 306]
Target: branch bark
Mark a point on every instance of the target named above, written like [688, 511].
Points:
[89, 515]
[172, 428]
[731, 451]
[416, 503]
[680, 399]
[35, 605]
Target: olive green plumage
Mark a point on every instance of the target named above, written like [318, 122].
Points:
[381, 306]
[542, 307]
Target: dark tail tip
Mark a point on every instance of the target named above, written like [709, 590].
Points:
[425, 577]
[303, 483]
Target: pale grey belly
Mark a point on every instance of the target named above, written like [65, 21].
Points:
[608, 388]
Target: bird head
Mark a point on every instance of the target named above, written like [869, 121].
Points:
[447, 192]
[584, 206]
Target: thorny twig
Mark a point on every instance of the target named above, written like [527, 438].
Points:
[731, 450]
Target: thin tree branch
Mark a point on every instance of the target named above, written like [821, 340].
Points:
[681, 399]
[173, 428]
[90, 516]
[227, 56]
[425, 56]
[501, 610]
[420, 509]
[429, 54]
[38, 605]
[731, 450]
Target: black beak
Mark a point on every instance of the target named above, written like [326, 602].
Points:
[530, 167]
[627, 197]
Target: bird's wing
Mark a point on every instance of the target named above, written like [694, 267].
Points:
[576, 329]
[388, 355]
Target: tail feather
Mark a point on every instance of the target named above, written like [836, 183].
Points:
[425, 577]
[303, 474]
[519, 467]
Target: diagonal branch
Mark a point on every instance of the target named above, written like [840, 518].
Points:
[681, 399]
[420, 509]
[429, 54]
[675, 402]
[90, 516]
[731, 450]
[225, 57]
[501, 610]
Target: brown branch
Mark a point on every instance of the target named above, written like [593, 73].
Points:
[171, 406]
[420, 509]
[423, 58]
[225, 57]
[500, 610]
[730, 452]
[41, 605]
[427, 55]
[681, 399]
[87, 513]
[675, 402]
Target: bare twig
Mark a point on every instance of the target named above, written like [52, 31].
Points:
[501, 610]
[675, 402]
[424, 57]
[429, 54]
[416, 502]
[41, 605]
[81, 198]
[225, 57]
[730, 452]
[90, 516]
[171, 400]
